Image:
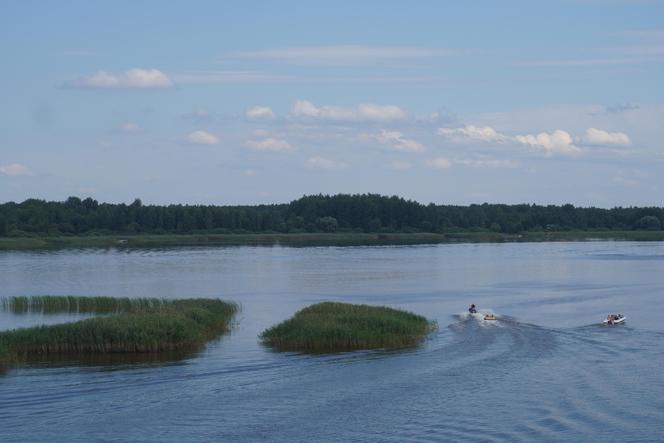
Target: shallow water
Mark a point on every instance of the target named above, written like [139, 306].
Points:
[545, 371]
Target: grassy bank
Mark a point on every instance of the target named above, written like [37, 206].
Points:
[334, 327]
[314, 239]
[126, 326]
[146, 241]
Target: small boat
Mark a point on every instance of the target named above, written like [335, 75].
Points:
[490, 317]
[614, 319]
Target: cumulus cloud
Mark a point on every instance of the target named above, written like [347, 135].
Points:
[602, 138]
[270, 144]
[304, 109]
[136, 78]
[396, 141]
[471, 132]
[259, 113]
[202, 138]
[323, 163]
[14, 170]
[557, 142]
[342, 55]
[439, 163]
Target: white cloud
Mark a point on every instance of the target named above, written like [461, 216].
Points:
[304, 109]
[270, 144]
[396, 141]
[14, 169]
[471, 132]
[202, 138]
[129, 127]
[137, 78]
[439, 163]
[342, 55]
[323, 163]
[400, 165]
[557, 142]
[259, 113]
[602, 138]
[487, 163]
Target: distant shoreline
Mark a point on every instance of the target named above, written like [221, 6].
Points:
[315, 239]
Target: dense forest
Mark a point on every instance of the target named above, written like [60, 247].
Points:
[315, 213]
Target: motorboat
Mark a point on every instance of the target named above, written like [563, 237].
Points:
[614, 319]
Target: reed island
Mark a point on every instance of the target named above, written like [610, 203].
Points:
[336, 327]
[123, 325]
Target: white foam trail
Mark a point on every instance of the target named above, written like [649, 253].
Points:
[479, 316]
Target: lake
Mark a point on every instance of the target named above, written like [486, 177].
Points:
[545, 371]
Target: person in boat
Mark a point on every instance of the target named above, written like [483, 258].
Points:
[611, 318]
[472, 309]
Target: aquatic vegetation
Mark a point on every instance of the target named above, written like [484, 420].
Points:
[212, 239]
[73, 304]
[332, 327]
[125, 325]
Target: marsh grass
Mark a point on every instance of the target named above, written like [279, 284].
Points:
[71, 304]
[336, 327]
[265, 239]
[128, 325]
[313, 239]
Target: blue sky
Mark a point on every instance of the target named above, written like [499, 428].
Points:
[260, 102]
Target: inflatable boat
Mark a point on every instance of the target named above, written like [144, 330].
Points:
[615, 319]
[490, 317]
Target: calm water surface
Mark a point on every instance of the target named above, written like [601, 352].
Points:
[544, 372]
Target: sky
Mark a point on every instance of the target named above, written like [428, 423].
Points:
[247, 102]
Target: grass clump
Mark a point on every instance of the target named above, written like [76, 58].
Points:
[335, 327]
[128, 326]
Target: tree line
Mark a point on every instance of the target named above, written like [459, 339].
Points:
[314, 213]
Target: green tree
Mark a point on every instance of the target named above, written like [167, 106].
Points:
[4, 226]
[327, 224]
[649, 222]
